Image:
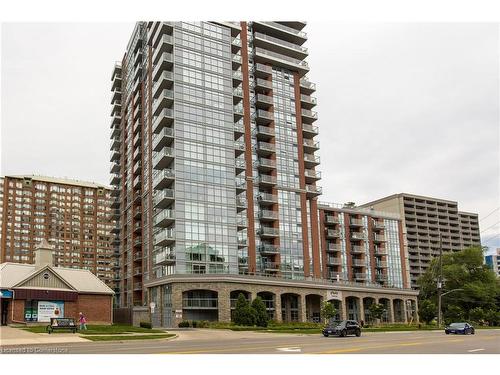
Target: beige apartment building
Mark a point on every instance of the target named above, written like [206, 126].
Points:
[426, 221]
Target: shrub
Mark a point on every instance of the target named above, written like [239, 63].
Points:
[184, 324]
[477, 314]
[427, 311]
[243, 315]
[202, 324]
[194, 324]
[145, 325]
[261, 317]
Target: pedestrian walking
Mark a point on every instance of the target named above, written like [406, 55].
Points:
[83, 322]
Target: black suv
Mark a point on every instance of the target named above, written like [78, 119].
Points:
[342, 329]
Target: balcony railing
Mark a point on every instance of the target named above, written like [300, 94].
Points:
[268, 231]
[281, 42]
[266, 197]
[199, 303]
[268, 249]
[268, 214]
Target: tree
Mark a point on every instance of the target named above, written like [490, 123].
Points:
[243, 314]
[492, 317]
[427, 311]
[462, 270]
[328, 311]
[376, 311]
[476, 314]
[261, 317]
[453, 313]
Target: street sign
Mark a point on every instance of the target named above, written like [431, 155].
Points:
[152, 306]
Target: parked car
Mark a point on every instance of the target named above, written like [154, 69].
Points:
[342, 329]
[463, 328]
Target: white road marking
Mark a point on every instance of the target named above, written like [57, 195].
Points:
[292, 349]
[474, 350]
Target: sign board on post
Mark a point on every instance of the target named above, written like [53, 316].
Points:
[178, 314]
[333, 294]
[152, 306]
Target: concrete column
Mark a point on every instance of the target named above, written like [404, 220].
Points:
[302, 308]
[277, 307]
[361, 310]
[176, 305]
[405, 314]
[343, 309]
[224, 305]
[417, 320]
[391, 311]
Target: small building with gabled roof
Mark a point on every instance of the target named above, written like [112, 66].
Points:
[34, 293]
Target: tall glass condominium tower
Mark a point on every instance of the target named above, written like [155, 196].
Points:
[213, 153]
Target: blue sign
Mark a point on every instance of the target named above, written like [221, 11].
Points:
[5, 293]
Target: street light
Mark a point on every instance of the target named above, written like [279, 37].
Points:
[439, 304]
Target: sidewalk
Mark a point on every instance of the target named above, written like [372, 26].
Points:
[15, 336]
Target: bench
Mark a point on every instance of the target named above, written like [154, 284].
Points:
[61, 323]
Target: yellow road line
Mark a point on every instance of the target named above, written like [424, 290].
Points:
[360, 348]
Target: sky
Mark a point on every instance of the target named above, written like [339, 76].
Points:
[402, 107]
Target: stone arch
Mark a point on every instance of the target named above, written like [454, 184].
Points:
[269, 299]
[399, 310]
[290, 307]
[353, 309]
[313, 307]
[387, 315]
[367, 302]
[200, 304]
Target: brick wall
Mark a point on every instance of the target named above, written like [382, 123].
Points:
[96, 308]
[17, 307]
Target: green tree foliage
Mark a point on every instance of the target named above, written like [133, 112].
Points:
[243, 314]
[376, 310]
[427, 311]
[476, 314]
[328, 311]
[261, 317]
[462, 270]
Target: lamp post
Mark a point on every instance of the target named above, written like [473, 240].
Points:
[439, 303]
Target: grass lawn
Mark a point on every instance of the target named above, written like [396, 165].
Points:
[114, 329]
[123, 338]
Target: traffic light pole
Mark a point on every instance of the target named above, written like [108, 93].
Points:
[440, 280]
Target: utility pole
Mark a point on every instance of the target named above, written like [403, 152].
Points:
[440, 279]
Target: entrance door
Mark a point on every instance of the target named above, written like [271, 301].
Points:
[5, 310]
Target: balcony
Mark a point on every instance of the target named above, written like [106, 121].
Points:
[165, 257]
[262, 70]
[268, 232]
[164, 100]
[331, 247]
[114, 155]
[379, 251]
[356, 223]
[116, 72]
[267, 180]
[268, 215]
[164, 218]
[241, 186]
[164, 81]
[200, 303]
[137, 227]
[333, 261]
[116, 109]
[267, 199]
[312, 190]
[137, 168]
[242, 242]
[378, 238]
[381, 278]
[358, 236]
[164, 119]
[137, 286]
[163, 198]
[381, 264]
[310, 146]
[264, 100]
[239, 148]
[264, 132]
[164, 237]
[280, 46]
[115, 179]
[237, 78]
[138, 255]
[378, 225]
[309, 131]
[265, 164]
[241, 204]
[358, 263]
[162, 44]
[312, 175]
[116, 95]
[136, 155]
[236, 61]
[306, 86]
[311, 161]
[163, 158]
[265, 148]
[357, 250]
[263, 117]
[241, 224]
[281, 31]
[240, 165]
[115, 120]
[263, 84]
[165, 62]
[360, 276]
[164, 138]
[307, 101]
[274, 58]
[268, 249]
[308, 116]
[115, 132]
[331, 219]
[331, 233]
[270, 266]
[163, 178]
[237, 95]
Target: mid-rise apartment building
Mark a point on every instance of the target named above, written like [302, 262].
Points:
[214, 167]
[428, 224]
[493, 261]
[74, 216]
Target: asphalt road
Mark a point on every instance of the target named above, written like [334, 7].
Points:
[228, 342]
